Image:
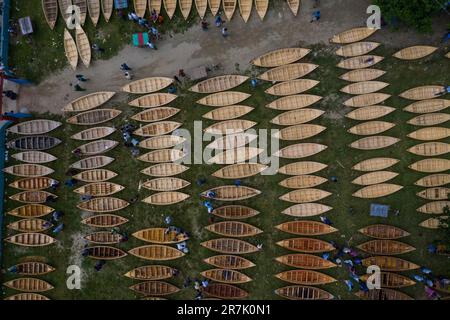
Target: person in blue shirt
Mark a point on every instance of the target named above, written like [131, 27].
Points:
[172, 89]
[218, 21]
[315, 16]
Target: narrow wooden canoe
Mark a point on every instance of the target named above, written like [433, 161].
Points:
[434, 207]
[201, 6]
[83, 46]
[185, 7]
[227, 261]
[31, 239]
[94, 117]
[414, 52]
[300, 150]
[104, 237]
[29, 285]
[308, 245]
[37, 157]
[298, 116]
[305, 195]
[435, 223]
[33, 268]
[305, 277]
[166, 198]
[432, 165]
[245, 9]
[219, 83]
[37, 196]
[81, 4]
[226, 276]
[371, 127]
[299, 292]
[170, 6]
[89, 102]
[105, 253]
[39, 126]
[428, 106]
[231, 193]
[156, 252]
[306, 209]
[239, 171]
[235, 212]
[50, 8]
[151, 272]
[383, 294]
[369, 113]
[230, 126]
[430, 149]
[106, 204]
[228, 112]
[375, 164]
[99, 189]
[302, 182]
[430, 133]
[153, 100]
[360, 62]
[160, 236]
[94, 10]
[164, 169]
[104, 221]
[225, 98]
[233, 229]
[140, 7]
[93, 133]
[306, 228]
[30, 225]
[305, 261]
[392, 280]
[353, 35]
[31, 211]
[447, 55]
[238, 155]
[229, 246]
[225, 291]
[229, 6]
[161, 142]
[33, 183]
[157, 129]
[293, 102]
[280, 57]
[364, 87]
[165, 184]
[423, 92]
[374, 178]
[383, 231]
[97, 147]
[301, 168]
[429, 119]
[27, 297]
[28, 170]
[385, 247]
[214, 6]
[34, 143]
[292, 87]
[90, 163]
[358, 75]
[377, 190]
[70, 48]
[261, 7]
[148, 85]
[435, 193]
[388, 263]
[374, 142]
[232, 141]
[366, 100]
[107, 9]
[294, 5]
[357, 49]
[434, 180]
[288, 72]
[154, 288]
[162, 155]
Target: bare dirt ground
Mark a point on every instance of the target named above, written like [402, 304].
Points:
[196, 48]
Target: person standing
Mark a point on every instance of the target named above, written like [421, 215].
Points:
[315, 16]
[225, 32]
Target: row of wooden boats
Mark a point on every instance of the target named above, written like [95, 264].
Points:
[78, 47]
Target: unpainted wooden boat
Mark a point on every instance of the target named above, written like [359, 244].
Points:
[374, 178]
[383, 231]
[70, 49]
[214, 6]
[162, 155]
[235, 212]
[91, 163]
[149, 85]
[245, 9]
[358, 75]
[89, 102]
[294, 5]
[388, 263]
[305, 195]
[280, 57]
[430, 133]
[385, 247]
[33, 183]
[302, 182]
[64, 8]
[185, 7]
[383, 294]
[99, 189]
[104, 237]
[232, 141]
[261, 7]
[229, 6]
[104, 221]
[237, 155]
[434, 207]
[50, 9]
[151, 272]
[170, 6]
[233, 229]
[140, 7]
[305, 277]
[226, 276]
[300, 150]
[364, 87]
[369, 113]
[377, 190]
[308, 245]
[429, 119]
[34, 143]
[300, 292]
[33, 268]
[228, 261]
[357, 49]
[97, 147]
[239, 171]
[435, 193]
[374, 142]
[34, 196]
[156, 252]
[228, 112]
[414, 52]
[160, 236]
[83, 46]
[28, 170]
[229, 246]
[435, 223]
[31, 211]
[153, 100]
[107, 9]
[94, 117]
[161, 142]
[27, 296]
[288, 72]
[30, 225]
[371, 127]
[39, 126]
[93, 133]
[306, 209]
[293, 102]
[105, 253]
[292, 87]
[201, 6]
[165, 184]
[430, 149]
[166, 198]
[434, 180]
[392, 280]
[302, 167]
[36, 157]
[219, 83]
[164, 169]
[366, 100]
[428, 106]
[297, 116]
[360, 62]
[230, 126]
[375, 164]
[231, 193]
[157, 128]
[31, 239]
[305, 261]
[225, 98]
[94, 11]
[306, 228]
[104, 204]
[423, 92]
[353, 35]
[225, 291]
[432, 165]
[28, 285]
[154, 288]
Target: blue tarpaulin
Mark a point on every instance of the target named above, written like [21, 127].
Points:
[121, 4]
[379, 210]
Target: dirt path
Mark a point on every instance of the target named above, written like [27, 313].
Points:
[196, 47]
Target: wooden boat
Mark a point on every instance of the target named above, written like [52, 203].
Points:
[383, 231]
[306, 228]
[308, 245]
[298, 116]
[70, 48]
[88, 102]
[230, 126]
[154, 288]
[302, 167]
[357, 49]
[151, 272]
[388, 263]
[430, 149]
[94, 117]
[261, 7]
[28, 285]
[352, 35]
[245, 9]
[39, 126]
[31, 239]
[229, 246]
[375, 164]
[294, 5]
[358, 75]
[364, 87]
[34, 143]
[105, 204]
[293, 102]
[300, 150]
[160, 236]
[432, 165]
[434, 180]
[105, 253]
[366, 100]
[235, 212]
[156, 252]
[63, 8]
[383, 294]
[392, 280]
[430, 133]
[219, 83]
[99, 189]
[232, 193]
[90, 163]
[33, 183]
[148, 85]
[226, 276]
[50, 8]
[164, 169]
[31, 211]
[30, 225]
[435, 193]
[232, 141]
[201, 6]
[288, 72]
[447, 55]
[93, 133]
[435, 223]
[377, 190]
[34, 157]
[360, 62]
[224, 291]
[305, 277]
[140, 7]
[414, 52]
[306, 209]
[228, 112]
[428, 106]
[385, 247]
[434, 207]
[104, 237]
[170, 6]
[97, 147]
[292, 87]
[28, 170]
[303, 181]
[185, 7]
[299, 292]
[305, 261]
[370, 128]
[227, 261]
[104, 221]
[229, 6]
[423, 92]
[374, 142]
[162, 155]
[214, 6]
[27, 297]
[153, 100]
[429, 119]
[374, 178]
[299, 132]
[280, 57]
[239, 170]
[94, 10]
[369, 112]
[233, 229]
[83, 9]
[238, 155]
[225, 98]
[161, 142]
[166, 198]
[107, 9]
[154, 5]
[165, 184]
[37, 196]
[33, 268]
[157, 129]
[305, 195]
